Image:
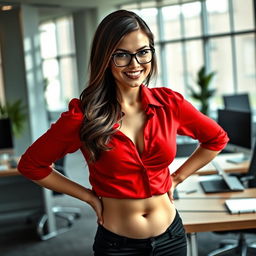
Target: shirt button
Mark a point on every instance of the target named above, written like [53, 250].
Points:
[144, 170]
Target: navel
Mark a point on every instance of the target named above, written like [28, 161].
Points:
[145, 215]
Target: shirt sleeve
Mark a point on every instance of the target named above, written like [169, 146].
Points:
[61, 138]
[199, 126]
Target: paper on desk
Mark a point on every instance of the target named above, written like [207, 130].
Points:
[3, 167]
[243, 205]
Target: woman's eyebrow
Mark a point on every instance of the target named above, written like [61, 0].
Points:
[124, 50]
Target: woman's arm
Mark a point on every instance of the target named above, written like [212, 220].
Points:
[61, 138]
[200, 157]
[60, 183]
[212, 138]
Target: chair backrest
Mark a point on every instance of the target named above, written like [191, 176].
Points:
[237, 102]
[185, 149]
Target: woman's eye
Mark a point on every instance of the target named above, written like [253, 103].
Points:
[121, 55]
[143, 52]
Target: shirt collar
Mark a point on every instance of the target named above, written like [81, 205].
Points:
[148, 98]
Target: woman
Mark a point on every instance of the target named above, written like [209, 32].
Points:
[127, 134]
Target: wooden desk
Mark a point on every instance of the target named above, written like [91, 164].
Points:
[202, 212]
[9, 172]
[6, 170]
[221, 159]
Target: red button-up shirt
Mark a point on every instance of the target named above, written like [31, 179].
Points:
[122, 172]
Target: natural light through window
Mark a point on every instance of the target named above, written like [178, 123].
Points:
[219, 34]
[59, 65]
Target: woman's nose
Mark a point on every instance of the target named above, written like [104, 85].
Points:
[134, 62]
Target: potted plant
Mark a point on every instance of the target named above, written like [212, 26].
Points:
[16, 113]
[204, 92]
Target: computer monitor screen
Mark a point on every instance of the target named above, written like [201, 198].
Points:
[238, 125]
[6, 139]
[237, 102]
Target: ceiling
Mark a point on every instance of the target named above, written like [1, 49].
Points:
[66, 3]
[54, 8]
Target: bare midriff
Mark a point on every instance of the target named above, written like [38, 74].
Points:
[138, 218]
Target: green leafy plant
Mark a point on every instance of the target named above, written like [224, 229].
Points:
[16, 111]
[204, 92]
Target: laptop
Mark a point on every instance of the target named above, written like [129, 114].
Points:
[221, 182]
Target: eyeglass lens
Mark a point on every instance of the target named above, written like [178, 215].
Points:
[123, 58]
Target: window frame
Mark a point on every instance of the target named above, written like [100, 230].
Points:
[58, 58]
[205, 37]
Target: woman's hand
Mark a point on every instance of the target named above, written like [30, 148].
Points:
[96, 203]
[171, 191]
[60, 183]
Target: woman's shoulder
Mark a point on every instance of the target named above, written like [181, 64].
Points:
[167, 96]
[69, 122]
[74, 111]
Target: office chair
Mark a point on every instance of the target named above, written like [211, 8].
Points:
[68, 214]
[185, 149]
[241, 245]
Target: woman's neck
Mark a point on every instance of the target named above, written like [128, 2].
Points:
[130, 97]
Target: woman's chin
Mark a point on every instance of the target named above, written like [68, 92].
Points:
[135, 84]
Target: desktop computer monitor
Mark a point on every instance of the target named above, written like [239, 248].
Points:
[238, 125]
[6, 139]
[237, 102]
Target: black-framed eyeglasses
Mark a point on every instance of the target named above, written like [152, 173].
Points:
[122, 59]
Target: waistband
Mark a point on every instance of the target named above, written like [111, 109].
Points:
[173, 230]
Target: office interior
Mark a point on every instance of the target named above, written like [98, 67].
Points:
[45, 48]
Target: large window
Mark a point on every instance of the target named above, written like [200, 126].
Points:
[59, 65]
[219, 34]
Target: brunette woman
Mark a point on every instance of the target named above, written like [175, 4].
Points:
[127, 134]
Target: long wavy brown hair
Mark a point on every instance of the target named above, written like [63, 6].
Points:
[99, 99]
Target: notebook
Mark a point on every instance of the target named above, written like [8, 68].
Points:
[243, 205]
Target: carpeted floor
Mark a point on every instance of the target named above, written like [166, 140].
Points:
[19, 238]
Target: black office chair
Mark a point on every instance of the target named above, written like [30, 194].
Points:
[241, 245]
[68, 214]
[185, 149]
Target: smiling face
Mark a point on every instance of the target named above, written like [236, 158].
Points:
[134, 74]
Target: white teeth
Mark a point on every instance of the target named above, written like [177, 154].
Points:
[133, 73]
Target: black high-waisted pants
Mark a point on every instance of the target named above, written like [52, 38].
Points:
[171, 243]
